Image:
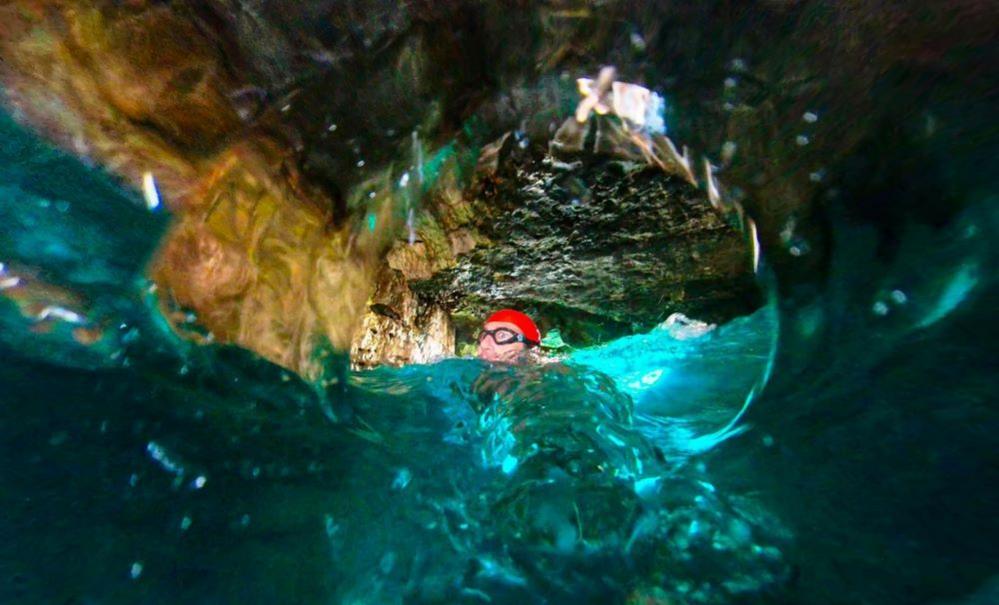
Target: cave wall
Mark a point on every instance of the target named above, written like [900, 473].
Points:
[277, 135]
[255, 253]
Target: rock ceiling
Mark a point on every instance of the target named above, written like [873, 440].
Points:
[328, 166]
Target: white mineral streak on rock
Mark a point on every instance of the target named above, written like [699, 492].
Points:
[639, 110]
[631, 102]
[149, 191]
[669, 158]
[638, 106]
[713, 195]
[594, 94]
[754, 241]
[59, 313]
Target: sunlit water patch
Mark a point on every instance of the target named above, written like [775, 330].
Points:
[854, 463]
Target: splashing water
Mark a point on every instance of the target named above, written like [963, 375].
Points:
[477, 481]
[854, 462]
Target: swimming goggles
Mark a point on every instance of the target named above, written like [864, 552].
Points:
[506, 336]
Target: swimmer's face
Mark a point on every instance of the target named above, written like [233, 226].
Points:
[501, 341]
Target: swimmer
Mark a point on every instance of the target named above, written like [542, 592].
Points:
[508, 336]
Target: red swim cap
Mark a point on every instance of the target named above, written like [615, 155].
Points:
[522, 321]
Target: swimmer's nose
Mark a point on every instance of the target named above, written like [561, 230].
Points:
[486, 350]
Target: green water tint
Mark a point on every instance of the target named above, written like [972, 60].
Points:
[206, 472]
[413, 497]
[691, 383]
[156, 471]
[443, 483]
[60, 270]
[574, 486]
[146, 470]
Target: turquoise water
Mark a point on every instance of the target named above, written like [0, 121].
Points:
[159, 470]
[145, 469]
[838, 446]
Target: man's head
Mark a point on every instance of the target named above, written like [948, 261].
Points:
[507, 335]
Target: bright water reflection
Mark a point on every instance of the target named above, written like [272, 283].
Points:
[691, 383]
[581, 479]
[140, 469]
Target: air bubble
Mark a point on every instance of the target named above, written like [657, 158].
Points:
[899, 297]
[802, 140]
[402, 479]
[360, 163]
[728, 151]
[730, 82]
[695, 528]
[798, 247]
[330, 525]
[880, 309]
[185, 523]
[811, 117]
[387, 563]
[136, 570]
[637, 42]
